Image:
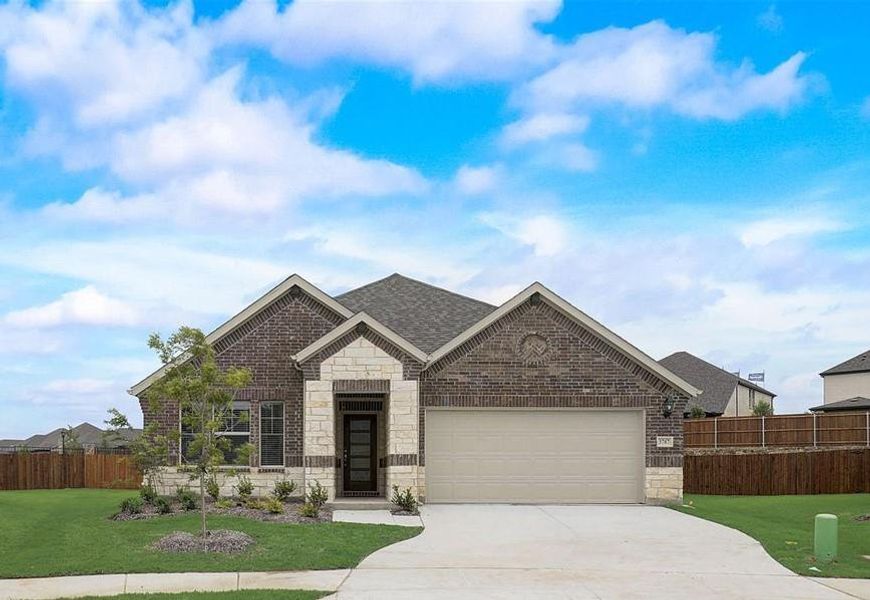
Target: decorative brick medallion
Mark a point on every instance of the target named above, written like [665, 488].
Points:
[534, 349]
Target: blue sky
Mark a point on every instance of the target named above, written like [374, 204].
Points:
[694, 175]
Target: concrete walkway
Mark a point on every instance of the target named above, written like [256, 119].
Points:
[376, 517]
[48, 588]
[577, 552]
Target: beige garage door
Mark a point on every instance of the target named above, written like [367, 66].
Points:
[534, 456]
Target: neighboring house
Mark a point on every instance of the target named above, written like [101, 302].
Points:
[723, 394]
[858, 403]
[402, 383]
[87, 435]
[849, 379]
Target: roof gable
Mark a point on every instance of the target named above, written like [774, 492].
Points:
[252, 310]
[716, 384]
[856, 364]
[545, 295]
[425, 315]
[856, 403]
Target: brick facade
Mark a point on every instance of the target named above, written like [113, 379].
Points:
[573, 369]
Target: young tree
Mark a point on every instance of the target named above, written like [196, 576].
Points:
[205, 393]
[762, 408]
[150, 451]
[70, 439]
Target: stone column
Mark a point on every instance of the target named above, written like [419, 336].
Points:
[664, 484]
[319, 435]
[403, 436]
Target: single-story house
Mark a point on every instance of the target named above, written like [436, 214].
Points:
[850, 404]
[402, 383]
[84, 435]
[723, 394]
[849, 379]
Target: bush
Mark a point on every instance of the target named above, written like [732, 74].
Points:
[244, 487]
[148, 494]
[762, 409]
[255, 504]
[317, 495]
[224, 504]
[274, 505]
[186, 498]
[132, 505]
[162, 505]
[697, 412]
[284, 488]
[309, 510]
[212, 488]
[404, 500]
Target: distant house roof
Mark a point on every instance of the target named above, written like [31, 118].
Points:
[717, 384]
[856, 364]
[425, 315]
[88, 436]
[856, 403]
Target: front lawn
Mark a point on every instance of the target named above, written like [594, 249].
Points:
[67, 532]
[784, 526]
[236, 595]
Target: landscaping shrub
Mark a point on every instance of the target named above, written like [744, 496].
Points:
[317, 495]
[224, 504]
[162, 505]
[255, 504]
[696, 412]
[274, 505]
[244, 487]
[762, 409]
[405, 500]
[284, 488]
[212, 488]
[132, 505]
[309, 510]
[186, 498]
[148, 494]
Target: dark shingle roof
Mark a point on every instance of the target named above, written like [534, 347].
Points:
[717, 384]
[88, 435]
[856, 403]
[425, 315]
[856, 364]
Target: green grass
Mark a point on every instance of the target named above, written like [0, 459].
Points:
[784, 526]
[239, 595]
[66, 532]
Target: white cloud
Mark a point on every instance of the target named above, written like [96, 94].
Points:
[541, 127]
[85, 306]
[547, 235]
[654, 65]
[435, 41]
[105, 62]
[477, 180]
[100, 205]
[770, 20]
[769, 231]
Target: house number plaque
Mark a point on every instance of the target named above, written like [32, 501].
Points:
[664, 441]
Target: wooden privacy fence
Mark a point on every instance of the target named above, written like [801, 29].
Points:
[823, 471]
[51, 470]
[810, 430]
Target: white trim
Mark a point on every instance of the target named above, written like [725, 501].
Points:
[348, 326]
[252, 310]
[577, 315]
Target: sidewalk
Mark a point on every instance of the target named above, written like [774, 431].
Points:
[860, 588]
[48, 588]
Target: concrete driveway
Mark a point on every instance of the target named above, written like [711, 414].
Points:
[579, 552]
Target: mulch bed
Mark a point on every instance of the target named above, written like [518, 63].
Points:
[290, 514]
[860, 518]
[220, 540]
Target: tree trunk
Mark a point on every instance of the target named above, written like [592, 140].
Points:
[202, 505]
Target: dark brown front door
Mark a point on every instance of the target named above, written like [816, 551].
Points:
[360, 455]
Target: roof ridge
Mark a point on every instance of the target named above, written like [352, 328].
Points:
[397, 275]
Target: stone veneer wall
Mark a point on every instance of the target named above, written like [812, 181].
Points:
[663, 484]
[171, 478]
[359, 358]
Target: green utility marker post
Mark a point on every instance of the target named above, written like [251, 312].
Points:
[826, 538]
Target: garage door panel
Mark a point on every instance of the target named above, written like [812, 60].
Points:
[534, 456]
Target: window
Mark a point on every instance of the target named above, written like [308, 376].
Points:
[752, 399]
[237, 428]
[272, 434]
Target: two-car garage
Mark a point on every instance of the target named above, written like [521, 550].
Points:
[534, 455]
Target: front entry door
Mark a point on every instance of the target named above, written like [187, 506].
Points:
[360, 455]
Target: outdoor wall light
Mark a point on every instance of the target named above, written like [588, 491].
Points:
[668, 405]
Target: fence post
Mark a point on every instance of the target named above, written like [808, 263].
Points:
[762, 431]
[868, 428]
[715, 432]
[814, 430]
